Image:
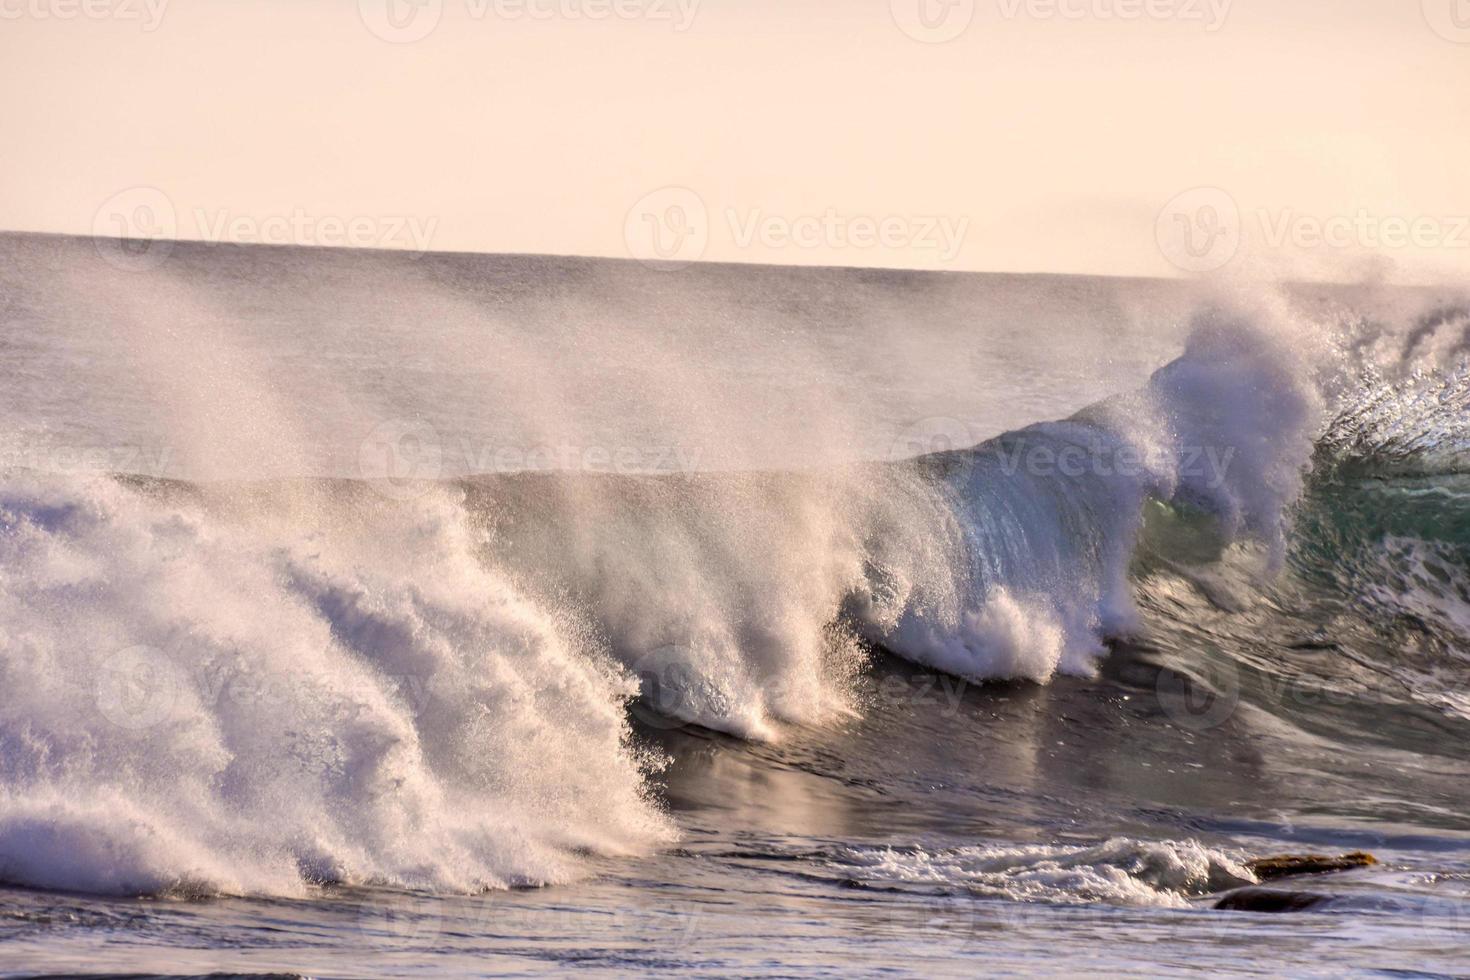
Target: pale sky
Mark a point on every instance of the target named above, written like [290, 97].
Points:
[1021, 135]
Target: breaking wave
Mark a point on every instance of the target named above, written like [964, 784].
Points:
[232, 686]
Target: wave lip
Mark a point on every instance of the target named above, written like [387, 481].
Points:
[1051, 514]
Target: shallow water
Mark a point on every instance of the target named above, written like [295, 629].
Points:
[799, 860]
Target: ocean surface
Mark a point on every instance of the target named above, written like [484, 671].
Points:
[365, 614]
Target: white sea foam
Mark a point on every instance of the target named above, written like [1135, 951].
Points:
[1120, 871]
[1423, 579]
[239, 698]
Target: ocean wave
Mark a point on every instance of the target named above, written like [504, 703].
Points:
[1051, 514]
[254, 687]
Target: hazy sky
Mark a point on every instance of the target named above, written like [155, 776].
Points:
[964, 134]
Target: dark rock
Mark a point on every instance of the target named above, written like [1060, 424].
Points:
[1267, 868]
[1270, 900]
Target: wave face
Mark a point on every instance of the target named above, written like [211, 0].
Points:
[1052, 512]
[376, 611]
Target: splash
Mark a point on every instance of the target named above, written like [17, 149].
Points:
[1120, 871]
[282, 665]
[226, 698]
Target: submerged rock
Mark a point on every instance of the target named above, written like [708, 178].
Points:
[1255, 899]
[1270, 900]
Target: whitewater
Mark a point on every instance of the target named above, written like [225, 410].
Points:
[375, 592]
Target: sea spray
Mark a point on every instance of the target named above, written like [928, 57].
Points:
[210, 699]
